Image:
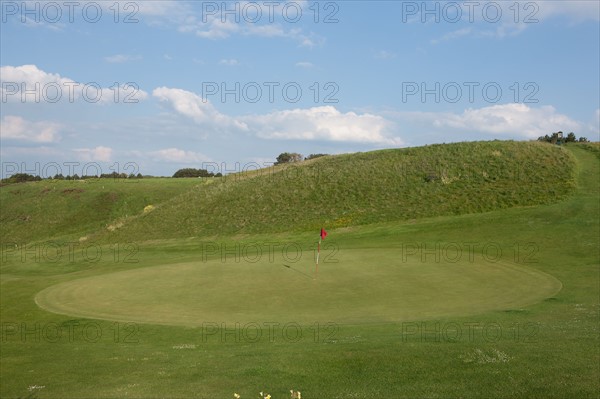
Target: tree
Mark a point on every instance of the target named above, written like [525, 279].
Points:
[191, 172]
[289, 157]
[571, 138]
[21, 178]
[545, 138]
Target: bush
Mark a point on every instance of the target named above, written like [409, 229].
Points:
[554, 138]
[191, 172]
[21, 178]
[289, 157]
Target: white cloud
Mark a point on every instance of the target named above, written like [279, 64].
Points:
[305, 65]
[176, 155]
[121, 58]
[195, 107]
[163, 8]
[213, 22]
[514, 17]
[322, 123]
[216, 29]
[576, 11]
[504, 119]
[17, 128]
[229, 62]
[44, 87]
[99, 154]
[452, 35]
[385, 55]
[217, 26]
[317, 123]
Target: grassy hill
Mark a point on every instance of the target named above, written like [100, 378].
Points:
[53, 209]
[333, 191]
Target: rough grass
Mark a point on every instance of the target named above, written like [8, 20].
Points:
[69, 210]
[334, 191]
[365, 188]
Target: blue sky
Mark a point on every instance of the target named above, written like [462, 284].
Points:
[154, 86]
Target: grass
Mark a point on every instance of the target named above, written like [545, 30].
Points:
[337, 191]
[68, 210]
[366, 188]
[428, 328]
[362, 286]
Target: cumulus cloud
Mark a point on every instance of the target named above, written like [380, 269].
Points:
[176, 155]
[502, 119]
[195, 107]
[316, 123]
[98, 154]
[45, 87]
[17, 128]
[322, 123]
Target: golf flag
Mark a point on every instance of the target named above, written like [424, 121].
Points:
[323, 234]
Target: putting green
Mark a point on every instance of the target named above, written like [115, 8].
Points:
[363, 286]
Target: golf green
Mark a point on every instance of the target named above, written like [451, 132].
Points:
[363, 286]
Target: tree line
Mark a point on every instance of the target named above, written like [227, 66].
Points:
[559, 137]
[25, 177]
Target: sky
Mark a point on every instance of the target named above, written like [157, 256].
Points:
[154, 86]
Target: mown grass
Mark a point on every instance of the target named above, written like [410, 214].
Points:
[548, 349]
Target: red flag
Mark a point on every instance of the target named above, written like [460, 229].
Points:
[323, 234]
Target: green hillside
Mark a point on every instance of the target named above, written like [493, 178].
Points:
[71, 209]
[364, 188]
[333, 191]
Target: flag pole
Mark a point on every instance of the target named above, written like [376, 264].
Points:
[318, 253]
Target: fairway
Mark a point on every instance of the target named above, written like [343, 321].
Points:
[361, 286]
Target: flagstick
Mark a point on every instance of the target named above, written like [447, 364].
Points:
[318, 253]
